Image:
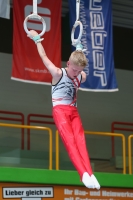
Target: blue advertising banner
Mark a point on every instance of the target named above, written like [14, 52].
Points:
[96, 17]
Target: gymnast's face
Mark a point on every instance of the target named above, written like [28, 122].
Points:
[73, 70]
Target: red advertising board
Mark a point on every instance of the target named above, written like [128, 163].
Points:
[27, 66]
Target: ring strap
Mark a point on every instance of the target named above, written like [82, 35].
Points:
[35, 6]
[77, 9]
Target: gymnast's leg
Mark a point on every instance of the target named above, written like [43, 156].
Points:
[62, 117]
[81, 144]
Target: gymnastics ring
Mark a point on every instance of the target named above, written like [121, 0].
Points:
[76, 41]
[32, 16]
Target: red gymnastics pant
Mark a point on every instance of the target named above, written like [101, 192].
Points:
[71, 131]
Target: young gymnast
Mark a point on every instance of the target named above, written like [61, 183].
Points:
[65, 84]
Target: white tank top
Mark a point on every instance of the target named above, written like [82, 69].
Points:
[65, 91]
